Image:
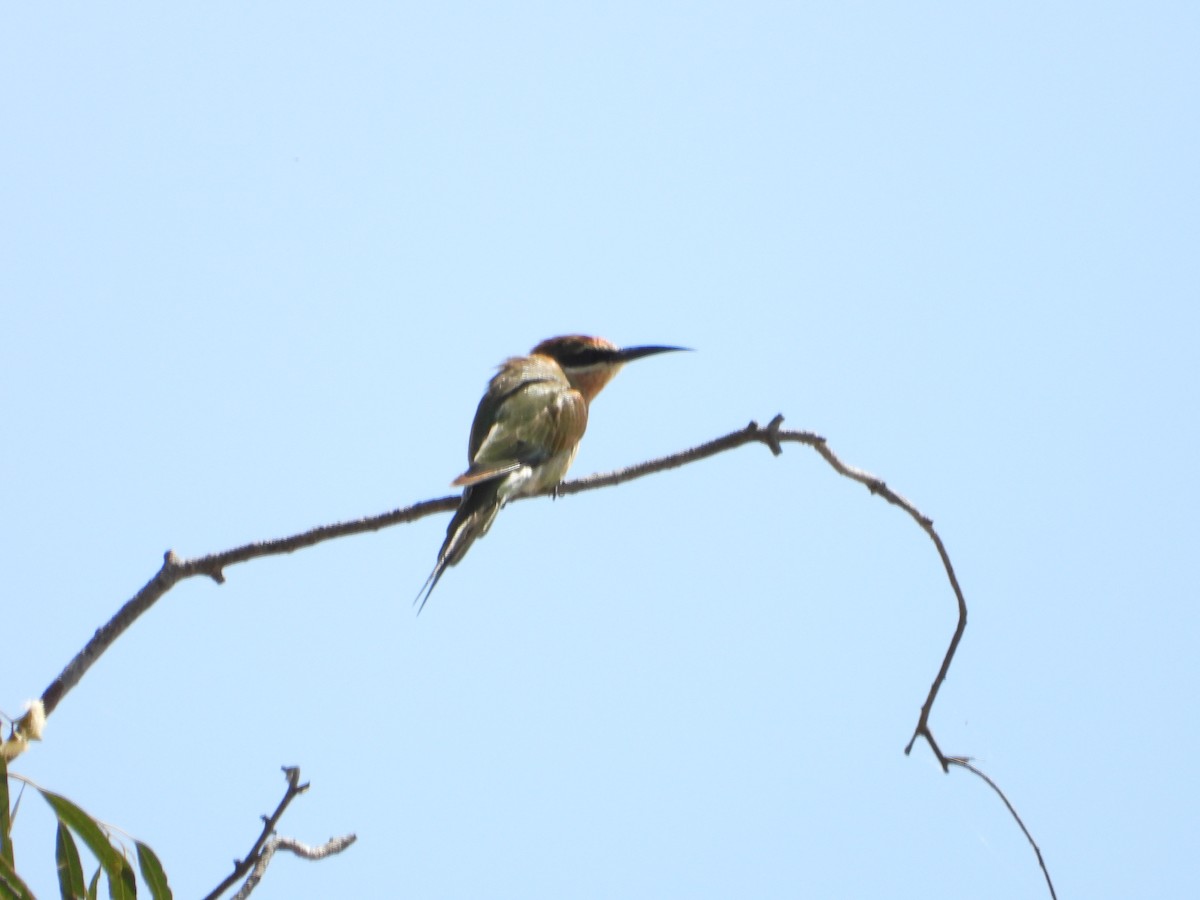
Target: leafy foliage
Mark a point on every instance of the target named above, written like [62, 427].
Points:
[74, 823]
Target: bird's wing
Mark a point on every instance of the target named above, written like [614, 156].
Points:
[478, 474]
[538, 419]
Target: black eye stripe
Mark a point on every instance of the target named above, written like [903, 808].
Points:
[580, 358]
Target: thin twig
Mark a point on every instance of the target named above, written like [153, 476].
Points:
[965, 763]
[242, 866]
[329, 848]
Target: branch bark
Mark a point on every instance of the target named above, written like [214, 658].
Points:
[331, 847]
[254, 866]
[174, 569]
[965, 762]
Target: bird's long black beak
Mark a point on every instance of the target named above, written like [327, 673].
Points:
[629, 354]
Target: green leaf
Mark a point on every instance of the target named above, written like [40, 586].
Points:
[94, 885]
[118, 870]
[71, 885]
[124, 886]
[11, 885]
[6, 848]
[152, 873]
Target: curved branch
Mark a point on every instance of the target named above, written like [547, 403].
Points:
[772, 436]
[965, 763]
[174, 569]
[331, 847]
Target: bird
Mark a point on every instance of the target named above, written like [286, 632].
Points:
[526, 432]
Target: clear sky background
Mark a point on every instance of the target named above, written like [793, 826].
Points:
[257, 263]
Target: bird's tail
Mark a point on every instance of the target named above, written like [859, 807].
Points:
[471, 521]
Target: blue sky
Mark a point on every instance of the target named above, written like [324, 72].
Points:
[258, 263]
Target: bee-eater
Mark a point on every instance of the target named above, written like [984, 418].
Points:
[526, 432]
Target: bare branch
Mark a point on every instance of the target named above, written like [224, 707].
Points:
[329, 848]
[965, 763]
[255, 864]
[175, 570]
[773, 436]
[213, 566]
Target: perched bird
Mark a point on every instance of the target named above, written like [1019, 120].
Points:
[526, 432]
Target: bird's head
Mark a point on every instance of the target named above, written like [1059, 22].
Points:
[590, 362]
